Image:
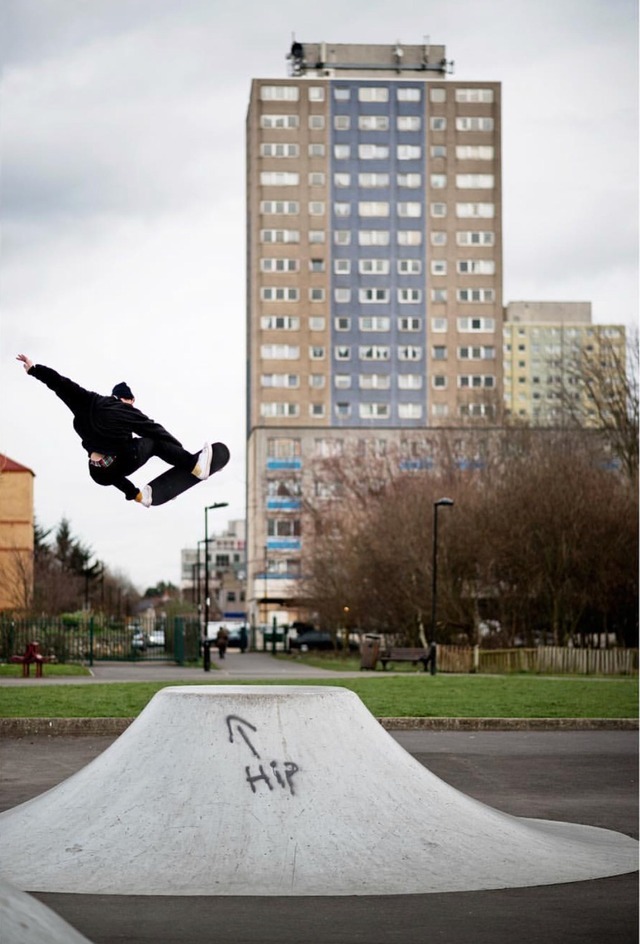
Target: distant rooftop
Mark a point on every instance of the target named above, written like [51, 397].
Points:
[9, 465]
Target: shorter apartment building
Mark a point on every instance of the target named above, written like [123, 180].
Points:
[545, 344]
[226, 572]
[16, 534]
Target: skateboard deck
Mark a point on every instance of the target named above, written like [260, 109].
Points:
[174, 481]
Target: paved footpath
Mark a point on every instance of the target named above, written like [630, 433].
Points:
[580, 776]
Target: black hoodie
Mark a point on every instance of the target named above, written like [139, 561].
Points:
[104, 424]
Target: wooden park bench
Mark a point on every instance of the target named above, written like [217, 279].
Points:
[405, 654]
[32, 656]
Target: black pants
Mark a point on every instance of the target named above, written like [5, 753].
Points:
[134, 455]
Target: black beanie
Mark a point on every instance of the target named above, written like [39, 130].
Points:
[122, 391]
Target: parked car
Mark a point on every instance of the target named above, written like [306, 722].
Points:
[156, 638]
[138, 640]
[315, 639]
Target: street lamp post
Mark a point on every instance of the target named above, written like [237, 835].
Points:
[442, 502]
[206, 642]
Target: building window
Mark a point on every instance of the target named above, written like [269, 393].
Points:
[272, 293]
[374, 352]
[373, 323]
[279, 93]
[316, 352]
[437, 94]
[438, 150]
[476, 266]
[413, 210]
[316, 150]
[373, 152]
[481, 95]
[414, 181]
[439, 324]
[279, 323]
[373, 266]
[341, 122]
[342, 381]
[342, 295]
[409, 411]
[439, 410]
[342, 266]
[373, 208]
[375, 295]
[283, 527]
[409, 237]
[475, 238]
[438, 123]
[409, 296]
[280, 207]
[316, 208]
[316, 122]
[474, 152]
[373, 93]
[475, 210]
[268, 410]
[316, 265]
[410, 352]
[409, 324]
[316, 409]
[283, 448]
[408, 152]
[439, 352]
[342, 237]
[408, 123]
[476, 381]
[341, 152]
[438, 267]
[275, 178]
[438, 294]
[409, 266]
[373, 123]
[438, 181]
[316, 236]
[342, 352]
[316, 324]
[342, 93]
[476, 324]
[316, 93]
[316, 179]
[373, 237]
[475, 181]
[343, 409]
[465, 123]
[438, 238]
[409, 381]
[342, 180]
[280, 352]
[408, 94]
[479, 353]
[288, 381]
[279, 265]
[438, 210]
[279, 236]
[439, 381]
[373, 411]
[373, 180]
[280, 122]
[270, 149]
[476, 295]
[374, 381]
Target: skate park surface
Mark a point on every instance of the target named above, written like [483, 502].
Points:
[587, 777]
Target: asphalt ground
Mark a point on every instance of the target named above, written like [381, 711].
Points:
[579, 776]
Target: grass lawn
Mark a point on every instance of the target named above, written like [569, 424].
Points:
[416, 695]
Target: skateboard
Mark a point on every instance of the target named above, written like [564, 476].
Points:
[174, 482]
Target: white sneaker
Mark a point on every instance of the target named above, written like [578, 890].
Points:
[144, 496]
[202, 468]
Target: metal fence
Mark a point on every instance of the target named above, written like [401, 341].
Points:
[176, 640]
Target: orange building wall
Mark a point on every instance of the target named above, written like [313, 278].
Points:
[16, 535]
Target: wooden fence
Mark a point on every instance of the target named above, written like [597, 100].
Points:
[553, 660]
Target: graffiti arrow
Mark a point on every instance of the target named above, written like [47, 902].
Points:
[239, 725]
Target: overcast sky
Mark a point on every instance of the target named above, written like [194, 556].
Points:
[122, 205]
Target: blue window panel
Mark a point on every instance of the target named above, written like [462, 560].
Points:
[276, 464]
[416, 465]
[284, 544]
[286, 504]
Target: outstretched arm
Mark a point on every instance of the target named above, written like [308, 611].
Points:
[71, 393]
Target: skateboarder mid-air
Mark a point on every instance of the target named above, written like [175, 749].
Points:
[118, 437]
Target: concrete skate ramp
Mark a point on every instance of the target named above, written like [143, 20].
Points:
[24, 920]
[279, 790]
